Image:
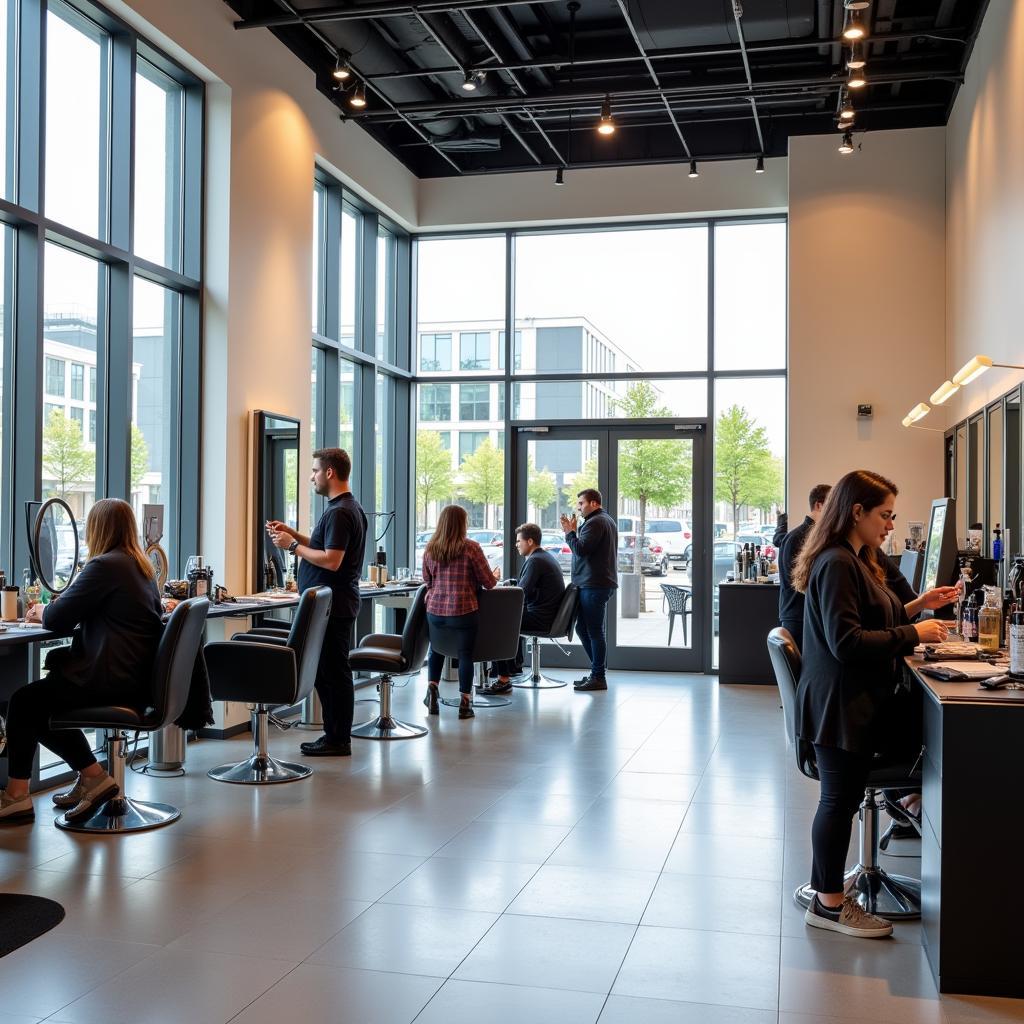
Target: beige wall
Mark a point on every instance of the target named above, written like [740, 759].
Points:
[866, 310]
[985, 210]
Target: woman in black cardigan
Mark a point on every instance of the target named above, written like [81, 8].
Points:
[856, 632]
[115, 605]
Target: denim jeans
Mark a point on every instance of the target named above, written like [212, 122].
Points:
[590, 627]
[463, 628]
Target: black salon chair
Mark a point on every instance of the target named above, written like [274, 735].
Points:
[269, 672]
[895, 897]
[561, 627]
[393, 654]
[172, 678]
[497, 639]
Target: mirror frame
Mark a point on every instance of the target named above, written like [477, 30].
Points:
[258, 476]
[37, 527]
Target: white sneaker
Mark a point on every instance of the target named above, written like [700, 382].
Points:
[16, 811]
[849, 918]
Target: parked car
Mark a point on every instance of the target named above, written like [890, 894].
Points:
[724, 559]
[553, 541]
[672, 534]
[653, 557]
[493, 543]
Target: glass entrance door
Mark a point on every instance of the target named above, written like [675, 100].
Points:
[648, 477]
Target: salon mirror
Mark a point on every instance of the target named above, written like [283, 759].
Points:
[1012, 460]
[55, 545]
[275, 493]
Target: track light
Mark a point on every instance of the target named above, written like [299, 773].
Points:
[854, 29]
[473, 80]
[358, 97]
[943, 392]
[918, 412]
[846, 146]
[606, 126]
[969, 371]
[857, 59]
[846, 112]
[342, 72]
[857, 79]
[694, 173]
[560, 176]
[759, 166]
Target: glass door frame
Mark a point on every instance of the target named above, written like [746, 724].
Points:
[608, 434]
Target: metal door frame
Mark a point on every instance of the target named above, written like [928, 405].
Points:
[608, 433]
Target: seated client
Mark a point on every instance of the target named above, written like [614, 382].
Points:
[115, 603]
[543, 587]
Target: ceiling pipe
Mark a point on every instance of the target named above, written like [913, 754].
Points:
[737, 14]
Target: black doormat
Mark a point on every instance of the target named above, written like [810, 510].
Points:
[24, 918]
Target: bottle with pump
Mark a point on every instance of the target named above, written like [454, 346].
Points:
[1015, 639]
[990, 620]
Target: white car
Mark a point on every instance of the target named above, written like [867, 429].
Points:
[672, 535]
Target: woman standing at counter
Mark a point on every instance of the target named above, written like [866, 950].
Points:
[855, 633]
[115, 603]
[454, 569]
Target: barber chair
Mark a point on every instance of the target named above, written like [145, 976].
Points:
[393, 654]
[561, 626]
[267, 672]
[497, 638]
[172, 678]
[894, 897]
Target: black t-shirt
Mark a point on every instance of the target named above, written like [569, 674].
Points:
[342, 527]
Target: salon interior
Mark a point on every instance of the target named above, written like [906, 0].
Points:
[699, 256]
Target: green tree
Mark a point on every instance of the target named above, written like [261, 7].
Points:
[746, 472]
[541, 489]
[434, 479]
[586, 477]
[483, 476]
[65, 457]
[651, 472]
[139, 456]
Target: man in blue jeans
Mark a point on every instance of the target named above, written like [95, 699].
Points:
[593, 544]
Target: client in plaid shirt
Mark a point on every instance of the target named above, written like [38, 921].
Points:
[454, 569]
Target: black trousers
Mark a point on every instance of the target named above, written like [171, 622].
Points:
[843, 777]
[513, 666]
[334, 679]
[28, 723]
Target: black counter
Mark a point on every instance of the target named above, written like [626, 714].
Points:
[747, 612]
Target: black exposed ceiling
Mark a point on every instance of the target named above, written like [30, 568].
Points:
[687, 79]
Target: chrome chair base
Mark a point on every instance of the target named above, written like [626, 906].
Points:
[893, 897]
[540, 682]
[387, 728]
[259, 771]
[122, 814]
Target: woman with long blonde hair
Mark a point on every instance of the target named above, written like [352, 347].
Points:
[115, 605]
[454, 569]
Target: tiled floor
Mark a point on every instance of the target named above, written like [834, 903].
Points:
[624, 857]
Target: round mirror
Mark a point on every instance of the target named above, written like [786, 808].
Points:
[158, 557]
[55, 545]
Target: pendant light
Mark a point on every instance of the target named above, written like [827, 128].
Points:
[846, 146]
[358, 97]
[694, 173]
[606, 126]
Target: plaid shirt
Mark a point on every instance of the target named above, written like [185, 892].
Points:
[451, 588]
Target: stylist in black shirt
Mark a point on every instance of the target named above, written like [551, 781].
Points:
[332, 556]
[791, 601]
[856, 631]
[115, 605]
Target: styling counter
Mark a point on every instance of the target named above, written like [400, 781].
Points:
[973, 761]
[747, 613]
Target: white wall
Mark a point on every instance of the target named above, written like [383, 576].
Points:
[866, 310]
[985, 210]
[655, 192]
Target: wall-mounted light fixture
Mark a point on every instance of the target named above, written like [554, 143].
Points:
[944, 392]
[918, 412]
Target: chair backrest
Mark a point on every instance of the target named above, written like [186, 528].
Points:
[306, 637]
[565, 617]
[497, 637]
[415, 637]
[785, 658]
[176, 658]
[677, 597]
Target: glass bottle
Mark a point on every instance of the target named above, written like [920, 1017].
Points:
[989, 621]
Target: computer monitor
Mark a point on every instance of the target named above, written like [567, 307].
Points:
[940, 546]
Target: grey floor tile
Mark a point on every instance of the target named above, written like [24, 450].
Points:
[728, 856]
[483, 885]
[632, 1010]
[315, 994]
[545, 952]
[469, 1002]
[742, 905]
[735, 820]
[587, 893]
[430, 941]
[702, 967]
[595, 846]
[505, 840]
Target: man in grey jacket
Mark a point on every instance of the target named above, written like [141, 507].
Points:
[593, 544]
